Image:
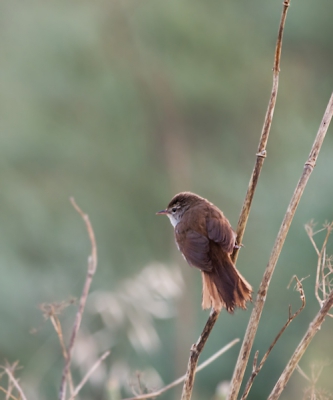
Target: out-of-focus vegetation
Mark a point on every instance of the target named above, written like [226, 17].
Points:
[122, 104]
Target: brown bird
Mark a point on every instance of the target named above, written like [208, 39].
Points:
[206, 239]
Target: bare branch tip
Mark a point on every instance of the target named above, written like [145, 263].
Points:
[78, 209]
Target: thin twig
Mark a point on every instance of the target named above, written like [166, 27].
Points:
[294, 360]
[92, 265]
[311, 391]
[57, 327]
[196, 349]
[256, 368]
[15, 382]
[309, 230]
[261, 152]
[182, 378]
[261, 296]
[321, 277]
[299, 369]
[244, 215]
[10, 389]
[88, 374]
[140, 385]
[8, 394]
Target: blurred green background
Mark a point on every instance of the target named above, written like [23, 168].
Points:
[122, 104]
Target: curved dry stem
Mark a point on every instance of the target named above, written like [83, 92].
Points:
[300, 350]
[196, 349]
[261, 152]
[244, 215]
[182, 378]
[256, 368]
[8, 393]
[88, 374]
[57, 327]
[92, 265]
[323, 278]
[261, 296]
[15, 382]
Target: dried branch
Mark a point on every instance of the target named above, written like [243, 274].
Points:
[323, 279]
[244, 215]
[261, 152]
[182, 378]
[299, 369]
[261, 296]
[142, 387]
[88, 374]
[14, 381]
[51, 311]
[311, 391]
[294, 360]
[256, 369]
[8, 393]
[92, 265]
[57, 327]
[10, 387]
[196, 349]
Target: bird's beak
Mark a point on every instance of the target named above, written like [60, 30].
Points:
[162, 212]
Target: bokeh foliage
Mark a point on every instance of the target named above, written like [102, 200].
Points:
[121, 104]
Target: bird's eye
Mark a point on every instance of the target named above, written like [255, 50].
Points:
[174, 209]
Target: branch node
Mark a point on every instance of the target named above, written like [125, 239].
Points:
[255, 359]
[310, 163]
[262, 153]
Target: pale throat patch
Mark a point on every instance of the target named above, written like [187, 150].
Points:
[174, 221]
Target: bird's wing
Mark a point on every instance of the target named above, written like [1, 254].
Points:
[195, 248]
[220, 231]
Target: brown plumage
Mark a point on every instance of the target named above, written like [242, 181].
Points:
[206, 239]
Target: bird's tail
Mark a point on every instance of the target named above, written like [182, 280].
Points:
[225, 287]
